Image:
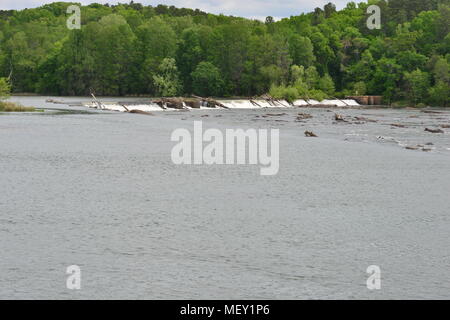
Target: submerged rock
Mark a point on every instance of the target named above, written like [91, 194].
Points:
[398, 125]
[419, 147]
[303, 116]
[431, 112]
[434, 130]
[274, 115]
[364, 119]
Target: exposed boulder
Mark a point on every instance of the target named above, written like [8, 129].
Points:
[193, 103]
[310, 134]
[174, 103]
[339, 118]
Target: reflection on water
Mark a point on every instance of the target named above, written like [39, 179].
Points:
[99, 190]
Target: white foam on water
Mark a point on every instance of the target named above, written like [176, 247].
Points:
[258, 104]
[231, 104]
[334, 102]
[239, 104]
[114, 107]
[284, 103]
[338, 103]
[328, 102]
[300, 102]
[263, 104]
[145, 107]
[351, 102]
[313, 102]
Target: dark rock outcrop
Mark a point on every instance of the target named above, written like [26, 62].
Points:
[434, 130]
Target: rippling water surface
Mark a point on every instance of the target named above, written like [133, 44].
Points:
[99, 190]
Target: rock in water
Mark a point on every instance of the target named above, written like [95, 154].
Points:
[365, 119]
[310, 134]
[193, 103]
[431, 112]
[303, 116]
[339, 117]
[398, 125]
[434, 130]
[274, 115]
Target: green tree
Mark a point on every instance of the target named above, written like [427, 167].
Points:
[329, 9]
[301, 50]
[272, 74]
[207, 80]
[167, 81]
[290, 94]
[441, 70]
[5, 88]
[360, 88]
[112, 54]
[155, 40]
[418, 83]
[312, 77]
[386, 78]
[297, 73]
[440, 94]
[326, 85]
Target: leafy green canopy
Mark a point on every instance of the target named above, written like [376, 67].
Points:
[135, 49]
[5, 89]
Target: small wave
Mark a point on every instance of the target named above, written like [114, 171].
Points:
[388, 139]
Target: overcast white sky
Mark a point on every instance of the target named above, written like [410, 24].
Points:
[244, 8]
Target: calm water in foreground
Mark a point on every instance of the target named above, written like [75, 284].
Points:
[99, 190]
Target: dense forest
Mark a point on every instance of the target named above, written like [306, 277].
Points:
[131, 49]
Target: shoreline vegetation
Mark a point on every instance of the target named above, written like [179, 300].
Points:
[8, 106]
[169, 51]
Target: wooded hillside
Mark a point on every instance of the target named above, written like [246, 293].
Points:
[132, 49]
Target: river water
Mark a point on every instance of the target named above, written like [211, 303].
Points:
[99, 190]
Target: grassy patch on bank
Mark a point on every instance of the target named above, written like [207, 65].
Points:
[14, 107]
